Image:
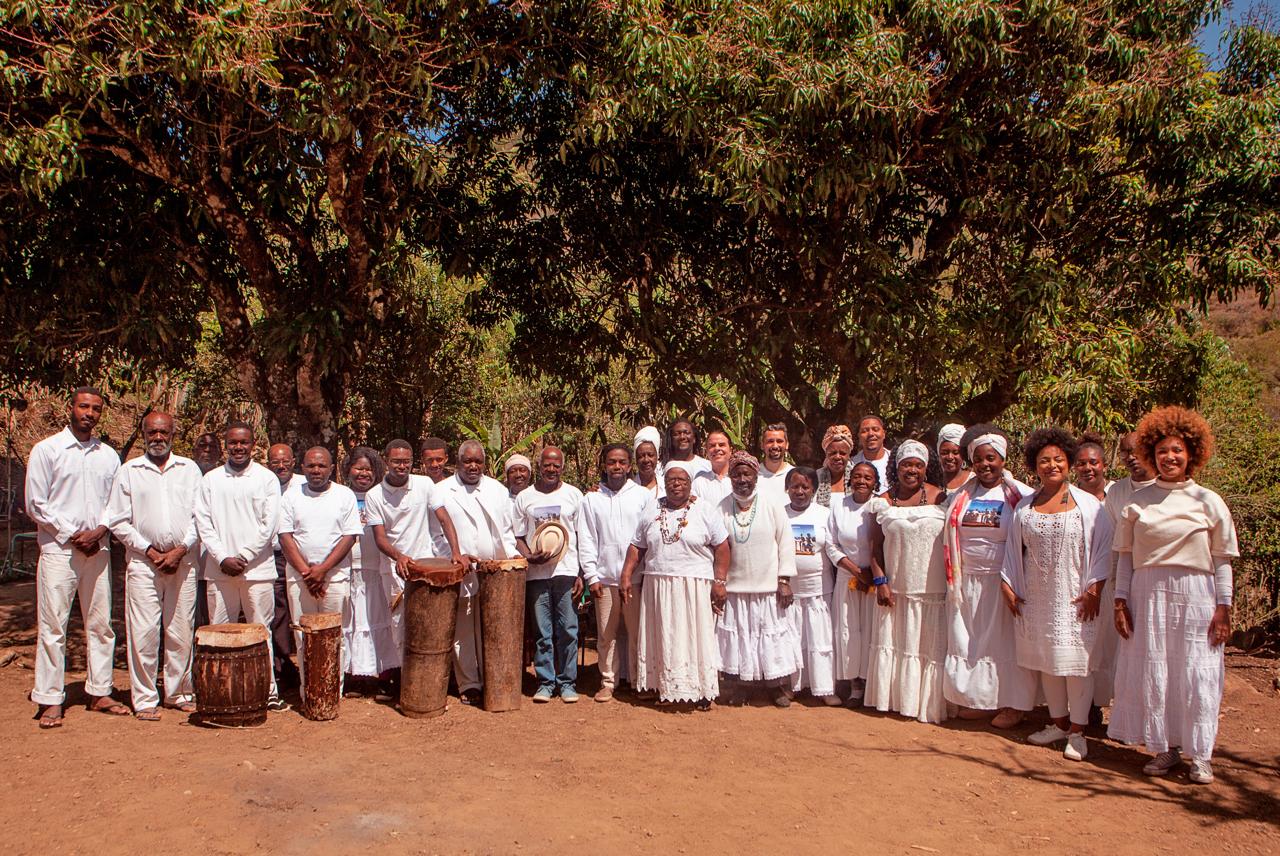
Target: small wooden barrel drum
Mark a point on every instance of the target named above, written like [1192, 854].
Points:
[502, 629]
[430, 618]
[232, 675]
[322, 664]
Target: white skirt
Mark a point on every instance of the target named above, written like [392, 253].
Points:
[756, 640]
[853, 616]
[982, 670]
[676, 644]
[810, 619]
[1168, 680]
[908, 652]
[372, 632]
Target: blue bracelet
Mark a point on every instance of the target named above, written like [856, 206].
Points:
[879, 581]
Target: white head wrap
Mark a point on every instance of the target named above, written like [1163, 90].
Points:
[650, 434]
[911, 449]
[952, 432]
[995, 441]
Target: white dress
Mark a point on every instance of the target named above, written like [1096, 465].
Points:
[853, 612]
[1050, 638]
[909, 642]
[371, 632]
[810, 610]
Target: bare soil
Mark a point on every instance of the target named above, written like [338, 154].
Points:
[609, 778]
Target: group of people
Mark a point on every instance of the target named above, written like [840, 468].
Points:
[924, 579]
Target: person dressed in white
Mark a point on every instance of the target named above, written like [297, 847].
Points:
[833, 475]
[319, 524]
[773, 466]
[983, 675]
[757, 642]
[909, 642]
[955, 472]
[1057, 559]
[553, 583]
[368, 631]
[683, 546]
[152, 512]
[810, 610]
[480, 508]
[681, 445]
[280, 460]
[607, 522]
[713, 485]
[1176, 541]
[853, 602]
[648, 454]
[68, 481]
[237, 514]
[871, 448]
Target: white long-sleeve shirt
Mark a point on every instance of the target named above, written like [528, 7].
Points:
[761, 550]
[607, 522]
[237, 514]
[153, 506]
[481, 516]
[68, 485]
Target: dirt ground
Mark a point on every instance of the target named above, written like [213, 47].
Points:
[609, 778]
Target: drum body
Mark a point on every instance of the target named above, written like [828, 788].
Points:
[231, 671]
[430, 619]
[322, 654]
[502, 610]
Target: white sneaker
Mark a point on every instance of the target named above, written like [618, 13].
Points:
[1077, 749]
[1049, 734]
[1201, 773]
[1163, 763]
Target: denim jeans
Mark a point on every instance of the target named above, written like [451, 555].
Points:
[555, 657]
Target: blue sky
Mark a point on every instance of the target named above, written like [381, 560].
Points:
[1238, 10]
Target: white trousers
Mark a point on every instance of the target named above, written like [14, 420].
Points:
[1068, 696]
[609, 626]
[256, 598]
[156, 603]
[467, 651]
[59, 578]
[302, 602]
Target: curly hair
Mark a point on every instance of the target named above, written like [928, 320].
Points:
[1187, 425]
[973, 432]
[1038, 439]
[364, 453]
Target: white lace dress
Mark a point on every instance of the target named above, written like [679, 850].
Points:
[1049, 637]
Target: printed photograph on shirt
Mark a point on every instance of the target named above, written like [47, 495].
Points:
[364, 515]
[806, 541]
[546, 512]
[983, 513]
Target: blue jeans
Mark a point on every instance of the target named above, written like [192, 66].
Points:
[555, 657]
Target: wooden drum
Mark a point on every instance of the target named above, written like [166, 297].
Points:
[502, 630]
[232, 675]
[321, 664]
[430, 618]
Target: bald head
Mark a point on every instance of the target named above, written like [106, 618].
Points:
[281, 462]
[157, 434]
[317, 466]
[550, 466]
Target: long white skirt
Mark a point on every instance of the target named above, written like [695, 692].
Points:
[1102, 659]
[853, 616]
[908, 652]
[756, 640]
[372, 632]
[982, 670]
[1168, 681]
[810, 619]
[676, 645]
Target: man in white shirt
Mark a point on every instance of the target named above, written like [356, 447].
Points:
[681, 444]
[607, 522]
[774, 467]
[237, 512]
[68, 481]
[480, 508]
[319, 523]
[152, 512]
[280, 460]
[713, 484]
[435, 459]
[553, 584]
[400, 509]
[871, 449]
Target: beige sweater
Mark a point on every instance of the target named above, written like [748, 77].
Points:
[767, 550]
[1182, 525]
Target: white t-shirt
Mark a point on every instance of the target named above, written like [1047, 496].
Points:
[849, 531]
[775, 484]
[405, 515]
[984, 528]
[532, 507]
[813, 567]
[317, 521]
[693, 466]
[692, 553]
[711, 487]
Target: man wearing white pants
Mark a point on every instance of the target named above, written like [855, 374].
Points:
[152, 512]
[319, 523]
[68, 481]
[237, 510]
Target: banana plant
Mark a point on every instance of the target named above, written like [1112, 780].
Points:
[490, 436]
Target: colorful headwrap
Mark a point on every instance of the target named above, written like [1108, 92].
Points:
[911, 449]
[647, 434]
[836, 433]
[995, 441]
[517, 461]
[952, 432]
[743, 457]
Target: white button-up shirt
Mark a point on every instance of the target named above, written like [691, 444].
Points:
[607, 523]
[153, 506]
[68, 484]
[236, 517]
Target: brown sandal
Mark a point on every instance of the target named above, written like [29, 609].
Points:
[150, 714]
[183, 707]
[115, 708]
[50, 721]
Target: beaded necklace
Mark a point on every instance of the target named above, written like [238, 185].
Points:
[667, 536]
[742, 531]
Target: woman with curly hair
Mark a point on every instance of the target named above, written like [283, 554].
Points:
[982, 673]
[1090, 466]
[1056, 561]
[1175, 542]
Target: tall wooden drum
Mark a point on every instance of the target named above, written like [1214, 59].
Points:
[232, 675]
[430, 618]
[502, 629]
[322, 664]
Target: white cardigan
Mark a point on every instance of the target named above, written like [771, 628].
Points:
[1099, 531]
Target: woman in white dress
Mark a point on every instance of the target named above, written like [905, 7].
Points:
[837, 447]
[951, 458]
[756, 641]
[909, 642]
[983, 675]
[1175, 541]
[810, 610]
[1055, 563]
[853, 601]
[683, 548]
[369, 632]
